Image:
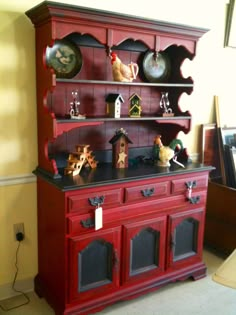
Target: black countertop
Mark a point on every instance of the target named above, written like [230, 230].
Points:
[104, 174]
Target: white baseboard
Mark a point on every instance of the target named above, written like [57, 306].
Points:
[26, 285]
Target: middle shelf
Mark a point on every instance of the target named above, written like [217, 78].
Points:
[62, 125]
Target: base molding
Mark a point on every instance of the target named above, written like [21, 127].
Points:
[26, 285]
[195, 272]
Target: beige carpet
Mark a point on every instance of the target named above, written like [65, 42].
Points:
[202, 297]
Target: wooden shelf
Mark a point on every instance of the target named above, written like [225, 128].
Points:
[65, 125]
[188, 85]
[87, 121]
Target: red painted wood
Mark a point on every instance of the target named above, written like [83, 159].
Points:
[52, 245]
[58, 21]
[62, 234]
[80, 202]
[155, 190]
[198, 182]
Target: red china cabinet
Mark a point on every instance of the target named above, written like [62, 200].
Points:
[152, 217]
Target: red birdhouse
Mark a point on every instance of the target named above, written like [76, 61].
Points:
[120, 143]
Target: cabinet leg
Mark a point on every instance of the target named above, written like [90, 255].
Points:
[38, 287]
[199, 274]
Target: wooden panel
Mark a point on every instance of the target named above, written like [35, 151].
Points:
[120, 36]
[220, 230]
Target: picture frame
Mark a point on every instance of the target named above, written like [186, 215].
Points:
[210, 149]
[228, 135]
[230, 155]
[230, 27]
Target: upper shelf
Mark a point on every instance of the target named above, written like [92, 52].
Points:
[124, 83]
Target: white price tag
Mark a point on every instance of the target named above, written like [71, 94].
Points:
[98, 218]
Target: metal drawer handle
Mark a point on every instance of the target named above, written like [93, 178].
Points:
[194, 200]
[88, 223]
[148, 192]
[172, 242]
[96, 201]
[191, 184]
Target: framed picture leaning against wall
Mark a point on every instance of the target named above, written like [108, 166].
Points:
[230, 26]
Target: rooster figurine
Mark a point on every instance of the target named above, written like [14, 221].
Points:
[122, 72]
[166, 153]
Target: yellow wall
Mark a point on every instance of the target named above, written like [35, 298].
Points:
[212, 71]
[18, 204]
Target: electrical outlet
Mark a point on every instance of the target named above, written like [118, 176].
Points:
[18, 228]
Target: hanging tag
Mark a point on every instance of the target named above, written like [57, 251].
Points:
[98, 218]
[189, 193]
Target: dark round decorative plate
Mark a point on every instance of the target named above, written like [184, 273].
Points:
[156, 67]
[65, 58]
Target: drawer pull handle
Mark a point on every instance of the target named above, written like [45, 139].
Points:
[148, 192]
[88, 223]
[194, 200]
[172, 243]
[191, 184]
[96, 201]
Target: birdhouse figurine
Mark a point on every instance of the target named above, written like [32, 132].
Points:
[120, 143]
[135, 105]
[113, 102]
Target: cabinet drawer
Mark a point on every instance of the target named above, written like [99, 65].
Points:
[81, 223]
[145, 192]
[196, 198]
[181, 185]
[83, 202]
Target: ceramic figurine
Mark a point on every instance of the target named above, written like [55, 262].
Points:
[74, 107]
[122, 72]
[165, 103]
[82, 157]
[164, 154]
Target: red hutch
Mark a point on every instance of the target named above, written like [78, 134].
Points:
[153, 217]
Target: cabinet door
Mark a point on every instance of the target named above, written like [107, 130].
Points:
[185, 238]
[144, 249]
[94, 264]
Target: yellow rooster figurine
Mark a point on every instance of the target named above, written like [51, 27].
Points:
[122, 72]
[164, 154]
